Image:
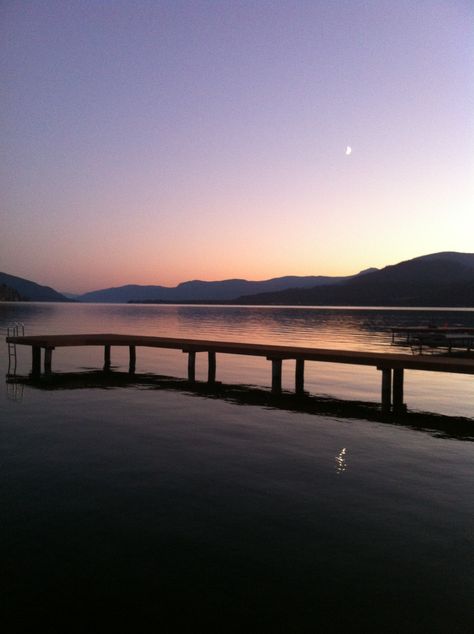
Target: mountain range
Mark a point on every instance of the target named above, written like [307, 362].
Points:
[438, 279]
[197, 290]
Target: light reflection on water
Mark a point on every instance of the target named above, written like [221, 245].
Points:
[341, 461]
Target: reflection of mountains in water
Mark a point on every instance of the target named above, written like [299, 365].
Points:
[437, 425]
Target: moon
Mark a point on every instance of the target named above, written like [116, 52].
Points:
[348, 150]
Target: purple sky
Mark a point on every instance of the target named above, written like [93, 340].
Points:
[154, 142]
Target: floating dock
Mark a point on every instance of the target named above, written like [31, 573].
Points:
[406, 334]
[420, 338]
[391, 366]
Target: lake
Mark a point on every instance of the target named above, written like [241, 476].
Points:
[166, 510]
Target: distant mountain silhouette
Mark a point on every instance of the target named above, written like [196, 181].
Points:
[198, 290]
[30, 291]
[438, 279]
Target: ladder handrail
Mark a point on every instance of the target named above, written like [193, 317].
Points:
[16, 329]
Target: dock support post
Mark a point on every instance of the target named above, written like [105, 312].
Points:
[276, 376]
[133, 359]
[48, 354]
[398, 405]
[106, 358]
[35, 361]
[211, 373]
[191, 366]
[299, 376]
[386, 389]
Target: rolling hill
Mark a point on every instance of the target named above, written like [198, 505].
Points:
[8, 294]
[30, 291]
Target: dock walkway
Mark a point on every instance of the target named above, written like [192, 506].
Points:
[391, 366]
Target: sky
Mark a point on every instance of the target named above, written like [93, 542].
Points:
[153, 142]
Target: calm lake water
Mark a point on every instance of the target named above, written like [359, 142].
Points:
[163, 510]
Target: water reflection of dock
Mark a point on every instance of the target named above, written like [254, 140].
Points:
[391, 366]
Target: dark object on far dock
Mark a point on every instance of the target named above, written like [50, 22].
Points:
[392, 366]
[433, 339]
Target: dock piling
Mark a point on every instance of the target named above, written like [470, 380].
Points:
[299, 376]
[133, 359]
[48, 354]
[191, 366]
[386, 390]
[276, 375]
[211, 373]
[35, 361]
[106, 358]
[398, 405]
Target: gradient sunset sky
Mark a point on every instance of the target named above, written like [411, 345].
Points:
[153, 142]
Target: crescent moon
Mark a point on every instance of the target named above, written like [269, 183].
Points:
[348, 150]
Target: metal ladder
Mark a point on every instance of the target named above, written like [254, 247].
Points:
[14, 329]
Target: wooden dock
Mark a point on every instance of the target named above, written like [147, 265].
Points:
[391, 366]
